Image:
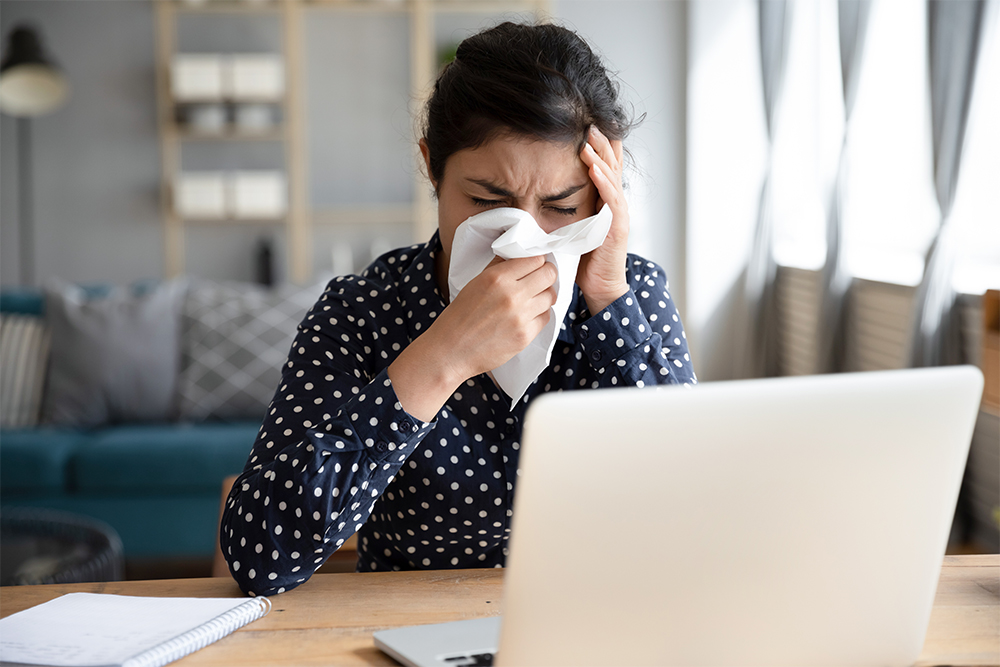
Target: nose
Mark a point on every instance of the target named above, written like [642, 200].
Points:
[535, 212]
[530, 210]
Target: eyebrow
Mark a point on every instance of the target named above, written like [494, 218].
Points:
[494, 189]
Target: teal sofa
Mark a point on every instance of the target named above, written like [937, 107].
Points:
[157, 484]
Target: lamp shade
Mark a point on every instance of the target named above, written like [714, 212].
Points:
[30, 83]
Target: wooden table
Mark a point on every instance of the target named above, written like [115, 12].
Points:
[329, 620]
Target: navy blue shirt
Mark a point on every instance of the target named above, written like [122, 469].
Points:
[337, 453]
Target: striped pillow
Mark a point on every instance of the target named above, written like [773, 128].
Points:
[24, 355]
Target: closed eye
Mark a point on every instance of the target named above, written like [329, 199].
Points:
[563, 211]
[486, 203]
[491, 203]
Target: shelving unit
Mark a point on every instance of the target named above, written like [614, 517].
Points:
[174, 137]
[419, 215]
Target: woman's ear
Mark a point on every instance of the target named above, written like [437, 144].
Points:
[426, 152]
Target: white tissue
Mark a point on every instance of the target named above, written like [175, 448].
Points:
[510, 233]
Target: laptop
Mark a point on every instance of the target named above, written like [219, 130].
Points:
[788, 521]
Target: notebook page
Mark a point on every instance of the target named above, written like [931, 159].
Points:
[91, 630]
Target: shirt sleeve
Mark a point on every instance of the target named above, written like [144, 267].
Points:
[638, 339]
[333, 437]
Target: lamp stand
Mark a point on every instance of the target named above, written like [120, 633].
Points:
[25, 203]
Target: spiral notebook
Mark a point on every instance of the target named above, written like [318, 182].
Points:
[97, 630]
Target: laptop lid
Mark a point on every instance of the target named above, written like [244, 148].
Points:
[787, 521]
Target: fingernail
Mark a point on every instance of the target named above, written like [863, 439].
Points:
[590, 148]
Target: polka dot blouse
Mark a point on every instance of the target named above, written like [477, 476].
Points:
[337, 454]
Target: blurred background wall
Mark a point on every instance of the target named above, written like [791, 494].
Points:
[97, 159]
[693, 69]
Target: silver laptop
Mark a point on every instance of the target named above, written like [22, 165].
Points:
[791, 521]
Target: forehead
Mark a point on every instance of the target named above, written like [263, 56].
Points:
[520, 164]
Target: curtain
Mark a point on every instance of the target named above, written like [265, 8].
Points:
[954, 33]
[852, 18]
[760, 354]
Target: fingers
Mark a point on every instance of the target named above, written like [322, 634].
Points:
[609, 152]
[523, 279]
[539, 322]
[518, 267]
[542, 302]
[540, 279]
[608, 181]
[604, 158]
[530, 281]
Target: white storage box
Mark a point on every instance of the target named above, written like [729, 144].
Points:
[258, 194]
[256, 77]
[201, 195]
[198, 78]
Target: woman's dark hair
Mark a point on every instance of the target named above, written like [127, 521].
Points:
[539, 81]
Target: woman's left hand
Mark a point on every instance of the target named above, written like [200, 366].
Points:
[601, 275]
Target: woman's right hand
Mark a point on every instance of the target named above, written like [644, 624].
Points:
[497, 314]
[492, 319]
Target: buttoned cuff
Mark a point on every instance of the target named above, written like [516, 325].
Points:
[613, 332]
[388, 432]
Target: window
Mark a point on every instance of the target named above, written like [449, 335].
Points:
[891, 213]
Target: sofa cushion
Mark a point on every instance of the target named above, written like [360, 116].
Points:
[148, 459]
[235, 338]
[113, 359]
[35, 461]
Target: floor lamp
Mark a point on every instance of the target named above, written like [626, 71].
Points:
[30, 85]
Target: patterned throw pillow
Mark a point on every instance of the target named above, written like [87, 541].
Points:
[24, 355]
[235, 337]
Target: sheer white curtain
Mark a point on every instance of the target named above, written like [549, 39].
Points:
[760, 357]
[891, 216]
[955, 29]
[852, 16]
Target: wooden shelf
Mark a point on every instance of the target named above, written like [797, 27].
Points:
[234, 221]
[483, 6]
[376, 214]
[419, 214]
[227, 7]
[362, 6]
[173, 135]
[441, 6]
[185, 134]
[276, 101]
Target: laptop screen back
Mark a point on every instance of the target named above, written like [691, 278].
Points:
[791, 521]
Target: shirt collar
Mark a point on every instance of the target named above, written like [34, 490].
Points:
[419, 295]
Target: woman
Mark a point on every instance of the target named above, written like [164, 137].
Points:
[386, 421]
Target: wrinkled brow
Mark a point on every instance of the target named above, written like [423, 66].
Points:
[495, 189]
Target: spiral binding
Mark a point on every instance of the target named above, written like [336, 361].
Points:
[203, 635]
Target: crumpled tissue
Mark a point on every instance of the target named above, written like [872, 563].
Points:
[511, 233]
